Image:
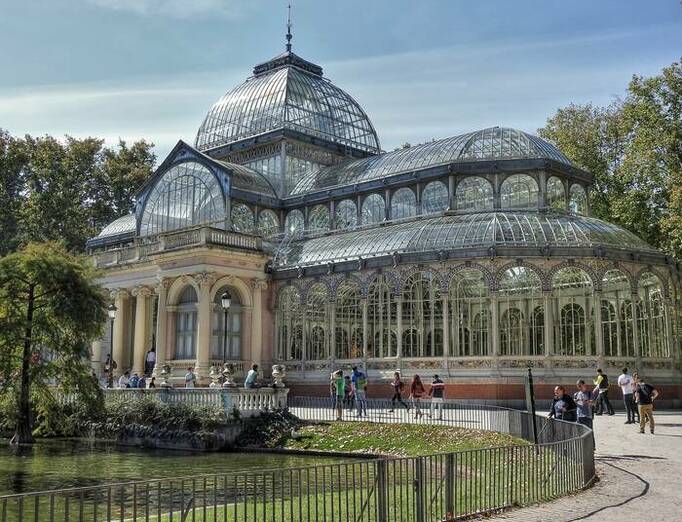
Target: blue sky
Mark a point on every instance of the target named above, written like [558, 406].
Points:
[421, 69]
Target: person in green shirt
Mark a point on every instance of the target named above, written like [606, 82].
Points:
[340, 385]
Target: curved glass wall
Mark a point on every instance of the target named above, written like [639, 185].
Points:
[521, 312]
[373, 209]
[382, 318]
[348, 321]
[556, 193]
[318, 219]
[474, 193]
[242, 218]
[434, 198]
[289, 324]
[226, 343]
[469, 314]
[578, 200]
[294, 223]
[316, 325]
[403, 204]
[652, 321]
[346, 214]
[519, 191]
[422, 316]
[573, 312]
[616, 315]
[186, 195]
[268, 223]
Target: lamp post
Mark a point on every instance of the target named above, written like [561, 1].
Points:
[225, 302]
[111, 312]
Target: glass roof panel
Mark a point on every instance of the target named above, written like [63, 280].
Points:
[120, 226]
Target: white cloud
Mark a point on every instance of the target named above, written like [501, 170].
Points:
[179, 8]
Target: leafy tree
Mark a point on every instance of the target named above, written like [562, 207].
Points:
[50, 310]
[13, 159]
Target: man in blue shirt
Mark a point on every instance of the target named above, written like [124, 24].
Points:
[583, 402]
[359, 382]
[250, 381]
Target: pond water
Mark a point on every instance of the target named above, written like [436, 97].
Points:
[56, 464]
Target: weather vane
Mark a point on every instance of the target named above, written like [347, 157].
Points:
[289, 28]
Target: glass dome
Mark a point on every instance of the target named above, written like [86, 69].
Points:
[120, 226]
[288, 92]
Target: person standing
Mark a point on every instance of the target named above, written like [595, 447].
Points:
[644, 396]
[251, 376]
[436, 393]
[398, 386]
[124, 380]
[583, 402]
[150, 361]
[134, 381]
[109, 367]
[602, 388]
[359, 381]
[190, 378]
[563, 406]
[416, 392]
[627, 386]
[340, 389]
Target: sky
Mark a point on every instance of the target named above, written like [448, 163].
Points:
[421, 69]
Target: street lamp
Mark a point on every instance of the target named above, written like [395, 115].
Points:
[111, 312]
[225, 302]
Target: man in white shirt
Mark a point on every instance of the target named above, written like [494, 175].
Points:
[124, 380]
[627, 385]
[190, 378]
[251, 377]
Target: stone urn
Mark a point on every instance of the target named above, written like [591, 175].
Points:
[278, 375]
[228, 375]
[166, 372]
[214, 375]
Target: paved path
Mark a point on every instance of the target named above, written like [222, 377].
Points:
[640, 476]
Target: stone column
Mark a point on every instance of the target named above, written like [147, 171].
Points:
[121, 324]
[203, 348]
[141, 294]
[258, 286]
[161, 326]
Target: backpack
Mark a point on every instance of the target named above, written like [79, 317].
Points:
[604, 382]
[645, 390]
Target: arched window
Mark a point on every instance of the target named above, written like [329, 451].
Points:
[627, 336]
[346, 214]
[411, 343]
[556, 193]
[382, 313]
[652, 321]
[617, 329]
[469, 313]
[242, 218]
[226, 343]
[403, 204]
[349, 320]
[537, 331]
[422, 312]
[318, 219]
[578, 200]
[609, 328]
[520, 305]
[474, 193]
[186, 325]
[434, 198]
[373, 209]
[187, 195]
[316, 323]
[290, 324]
[572, 301]
[294, 224]
[519, 191]
[268, 224]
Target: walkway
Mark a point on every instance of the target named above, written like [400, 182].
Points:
[639, 476]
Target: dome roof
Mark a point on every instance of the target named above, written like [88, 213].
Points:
[120, 226]
[288, 92]
[494, 143]
[463, 232]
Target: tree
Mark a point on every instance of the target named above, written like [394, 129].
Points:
[50, 310]
[13, 159]
[634, 149]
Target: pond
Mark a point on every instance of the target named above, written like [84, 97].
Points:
[56, 464]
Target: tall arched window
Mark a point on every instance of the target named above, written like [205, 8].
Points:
[403, 204]
[382, 313]
[289, 324]
[652, 320]
[578, 200]
[318, 219]
[556, 193]
[186, 324]
[226, 343]
[520, 303]
[423, 313]
[627, 336]
[474, 193]
[187, 195]
[609, 328]
[537, 331]
[434, 198]
[294, 224]
[572, 300]
[469, 313]
[519, 191]
[316, 323]
[373, 209]
[268, 224]
[616, 300]
[242, 218]
[349, 321]
[346, 214]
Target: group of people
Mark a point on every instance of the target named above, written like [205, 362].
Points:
[350, 391]
[638, 400]
[131, 381]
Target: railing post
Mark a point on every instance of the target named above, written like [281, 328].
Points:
[419, 486]
[450, 486]
[381, 490]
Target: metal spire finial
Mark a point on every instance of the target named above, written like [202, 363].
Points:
[289, 29]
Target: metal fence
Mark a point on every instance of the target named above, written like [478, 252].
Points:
[438, 487]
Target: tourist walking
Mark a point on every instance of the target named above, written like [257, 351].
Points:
[190, 378]
[583, 402]
[436, 393]
[602, 388]
[359, 381]
[251, 376]
[627, 386]
[397, 385]
[124, 380]
[416, 392]
[340, 392]
[150, 361]
[348, 397]
[563, 406]
[644, 397]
